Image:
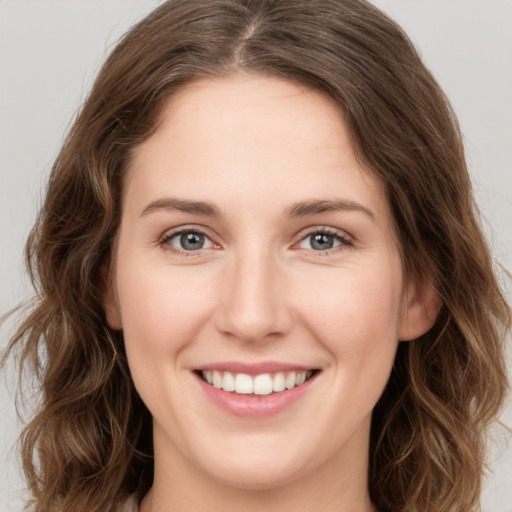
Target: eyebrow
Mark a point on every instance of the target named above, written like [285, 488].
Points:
[182, 205]
[296, 210]
[314, 207]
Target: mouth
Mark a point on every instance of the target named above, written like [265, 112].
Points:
[259, 385]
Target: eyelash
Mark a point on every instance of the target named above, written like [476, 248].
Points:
[345, 242]
[165, 241]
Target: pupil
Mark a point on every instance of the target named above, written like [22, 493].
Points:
[322, 241]
[192, 241]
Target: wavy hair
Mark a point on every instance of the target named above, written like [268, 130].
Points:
[89, 444]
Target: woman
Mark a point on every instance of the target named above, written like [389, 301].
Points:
[245, 296]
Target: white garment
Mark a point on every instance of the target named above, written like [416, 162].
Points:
[130, 505]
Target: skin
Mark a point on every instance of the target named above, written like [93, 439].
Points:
[259, 291]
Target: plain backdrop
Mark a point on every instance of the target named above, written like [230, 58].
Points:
[50, 51]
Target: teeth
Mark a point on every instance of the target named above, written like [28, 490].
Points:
[291, 380]
[243, 384]
[301, 378]
[217, 379]
[263, 384]
[228, 382]
[278, 384]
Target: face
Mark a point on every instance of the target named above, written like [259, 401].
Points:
[258, 285]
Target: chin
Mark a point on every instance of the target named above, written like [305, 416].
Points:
[261, 468]
[261, 478]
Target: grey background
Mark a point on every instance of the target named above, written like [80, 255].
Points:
[50, 51]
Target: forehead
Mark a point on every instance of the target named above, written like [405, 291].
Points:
[249, 138]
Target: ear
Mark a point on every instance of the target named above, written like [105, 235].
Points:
[420, 307]
[108, 297]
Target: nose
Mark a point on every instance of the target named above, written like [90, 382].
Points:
[254, 304]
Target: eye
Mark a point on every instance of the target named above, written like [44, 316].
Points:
[323, 240]
[187, 240]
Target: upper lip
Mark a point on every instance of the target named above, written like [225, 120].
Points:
[254, 368]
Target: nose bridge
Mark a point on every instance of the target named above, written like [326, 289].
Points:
[253, 304]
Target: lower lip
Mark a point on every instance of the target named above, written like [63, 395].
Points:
[255, 406]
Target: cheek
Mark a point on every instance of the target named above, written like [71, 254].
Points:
[161, 310]
[356, 318]
[365, 302]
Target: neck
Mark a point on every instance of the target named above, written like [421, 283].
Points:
[226, 499]
[334, 487]
[254, 501]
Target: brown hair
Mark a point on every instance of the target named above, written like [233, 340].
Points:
[89, 445]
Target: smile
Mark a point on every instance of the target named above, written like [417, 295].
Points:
[255, 390]
[262, 384]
